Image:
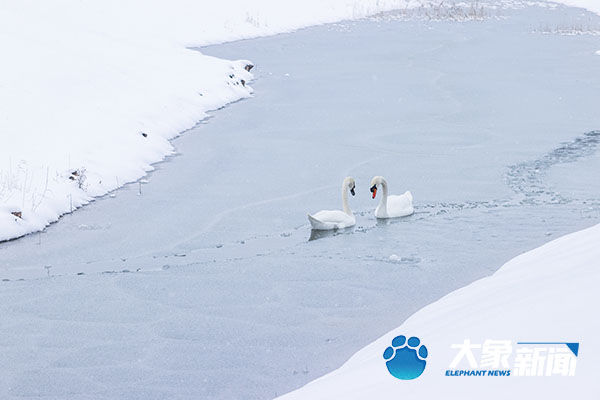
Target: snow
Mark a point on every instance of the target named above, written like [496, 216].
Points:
[590, 5]
[82, 80]
[549, 293]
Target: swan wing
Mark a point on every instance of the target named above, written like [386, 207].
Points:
[400, 206]
[331, 219]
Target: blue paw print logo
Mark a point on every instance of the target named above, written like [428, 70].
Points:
[405, 359]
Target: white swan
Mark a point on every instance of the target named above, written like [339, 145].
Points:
[391, 206]
[336, 219]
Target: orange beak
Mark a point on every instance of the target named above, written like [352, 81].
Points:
[374, 192]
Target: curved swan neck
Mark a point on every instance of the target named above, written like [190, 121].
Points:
[384, 194]
[384, 189]
[345, 205]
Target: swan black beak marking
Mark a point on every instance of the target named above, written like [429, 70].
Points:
[374, 190]
[352, 191]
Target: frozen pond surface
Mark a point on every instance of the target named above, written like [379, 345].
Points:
[491, 124]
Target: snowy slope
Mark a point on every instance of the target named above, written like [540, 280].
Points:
[591, 5]
[547, 294]
[81, 81]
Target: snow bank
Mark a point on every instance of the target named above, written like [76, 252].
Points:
[82, 81]
[548, 294]
[591, 5]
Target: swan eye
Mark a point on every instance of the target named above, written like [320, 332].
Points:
[352, 191]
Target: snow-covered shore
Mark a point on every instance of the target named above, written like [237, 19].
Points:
[590, 5]
[99, 88]
[547, 294]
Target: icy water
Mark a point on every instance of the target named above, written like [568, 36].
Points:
[203, 283]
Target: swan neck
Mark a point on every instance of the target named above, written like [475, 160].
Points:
[384, 190]
[345, 205]
[384, 194]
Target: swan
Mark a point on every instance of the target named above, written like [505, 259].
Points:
[391, 206]
[336, 219]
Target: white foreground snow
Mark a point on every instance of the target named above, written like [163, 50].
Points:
[81, 80]
[547, 294]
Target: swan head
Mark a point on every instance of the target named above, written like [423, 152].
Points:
[377, 180]
[349, 183]
[374, 190]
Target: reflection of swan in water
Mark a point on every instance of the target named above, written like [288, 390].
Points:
[391, 206]
[336, 219]
[319, 234]
[316, 234]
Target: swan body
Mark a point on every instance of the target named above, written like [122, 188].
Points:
[336, 219]
[391, 206]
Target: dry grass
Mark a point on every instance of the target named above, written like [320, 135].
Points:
[441, 11]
